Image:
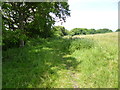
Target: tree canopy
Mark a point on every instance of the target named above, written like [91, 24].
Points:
[84, 31]
[60, 31]
[32, 19]
[34, 15]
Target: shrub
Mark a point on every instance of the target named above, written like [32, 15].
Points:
[59, 31]
[12, 38]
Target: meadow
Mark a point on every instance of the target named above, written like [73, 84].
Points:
[81, 61]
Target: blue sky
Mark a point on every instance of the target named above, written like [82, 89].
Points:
[92, 14]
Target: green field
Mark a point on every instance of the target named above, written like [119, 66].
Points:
[86, 61]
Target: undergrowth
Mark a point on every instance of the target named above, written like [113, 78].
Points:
[81, 43]
[62, 63]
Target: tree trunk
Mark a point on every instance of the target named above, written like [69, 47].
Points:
[22, 43]
[21, 25]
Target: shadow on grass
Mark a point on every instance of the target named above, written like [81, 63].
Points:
[37, 66]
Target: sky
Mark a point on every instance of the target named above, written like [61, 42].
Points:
[95, 14]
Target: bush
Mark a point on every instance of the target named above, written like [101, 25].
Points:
[59, 31]
[12, 38]
[81, 43]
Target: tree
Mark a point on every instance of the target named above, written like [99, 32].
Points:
[118, 30]
[33, 18]
[105, 30]
[60, 31]
[78, 31]
[16, 16]
[91, 31]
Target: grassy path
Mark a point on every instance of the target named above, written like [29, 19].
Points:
[50, 64]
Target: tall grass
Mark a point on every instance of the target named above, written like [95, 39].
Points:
[81, 43]
[89, 62]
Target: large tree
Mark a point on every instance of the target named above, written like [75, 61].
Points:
[33, 18]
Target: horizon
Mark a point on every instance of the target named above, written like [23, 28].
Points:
[88, 28]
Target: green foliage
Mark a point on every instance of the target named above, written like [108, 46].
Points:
[42, 55]
[103, 30]
[12, 38]
[84, 31]
[59, 31]
[91, 31]
[76, 31]
[34, 19]
[46, 63]
[82, 43]
[117, 30]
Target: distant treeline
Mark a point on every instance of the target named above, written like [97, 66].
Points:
[61, 31]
